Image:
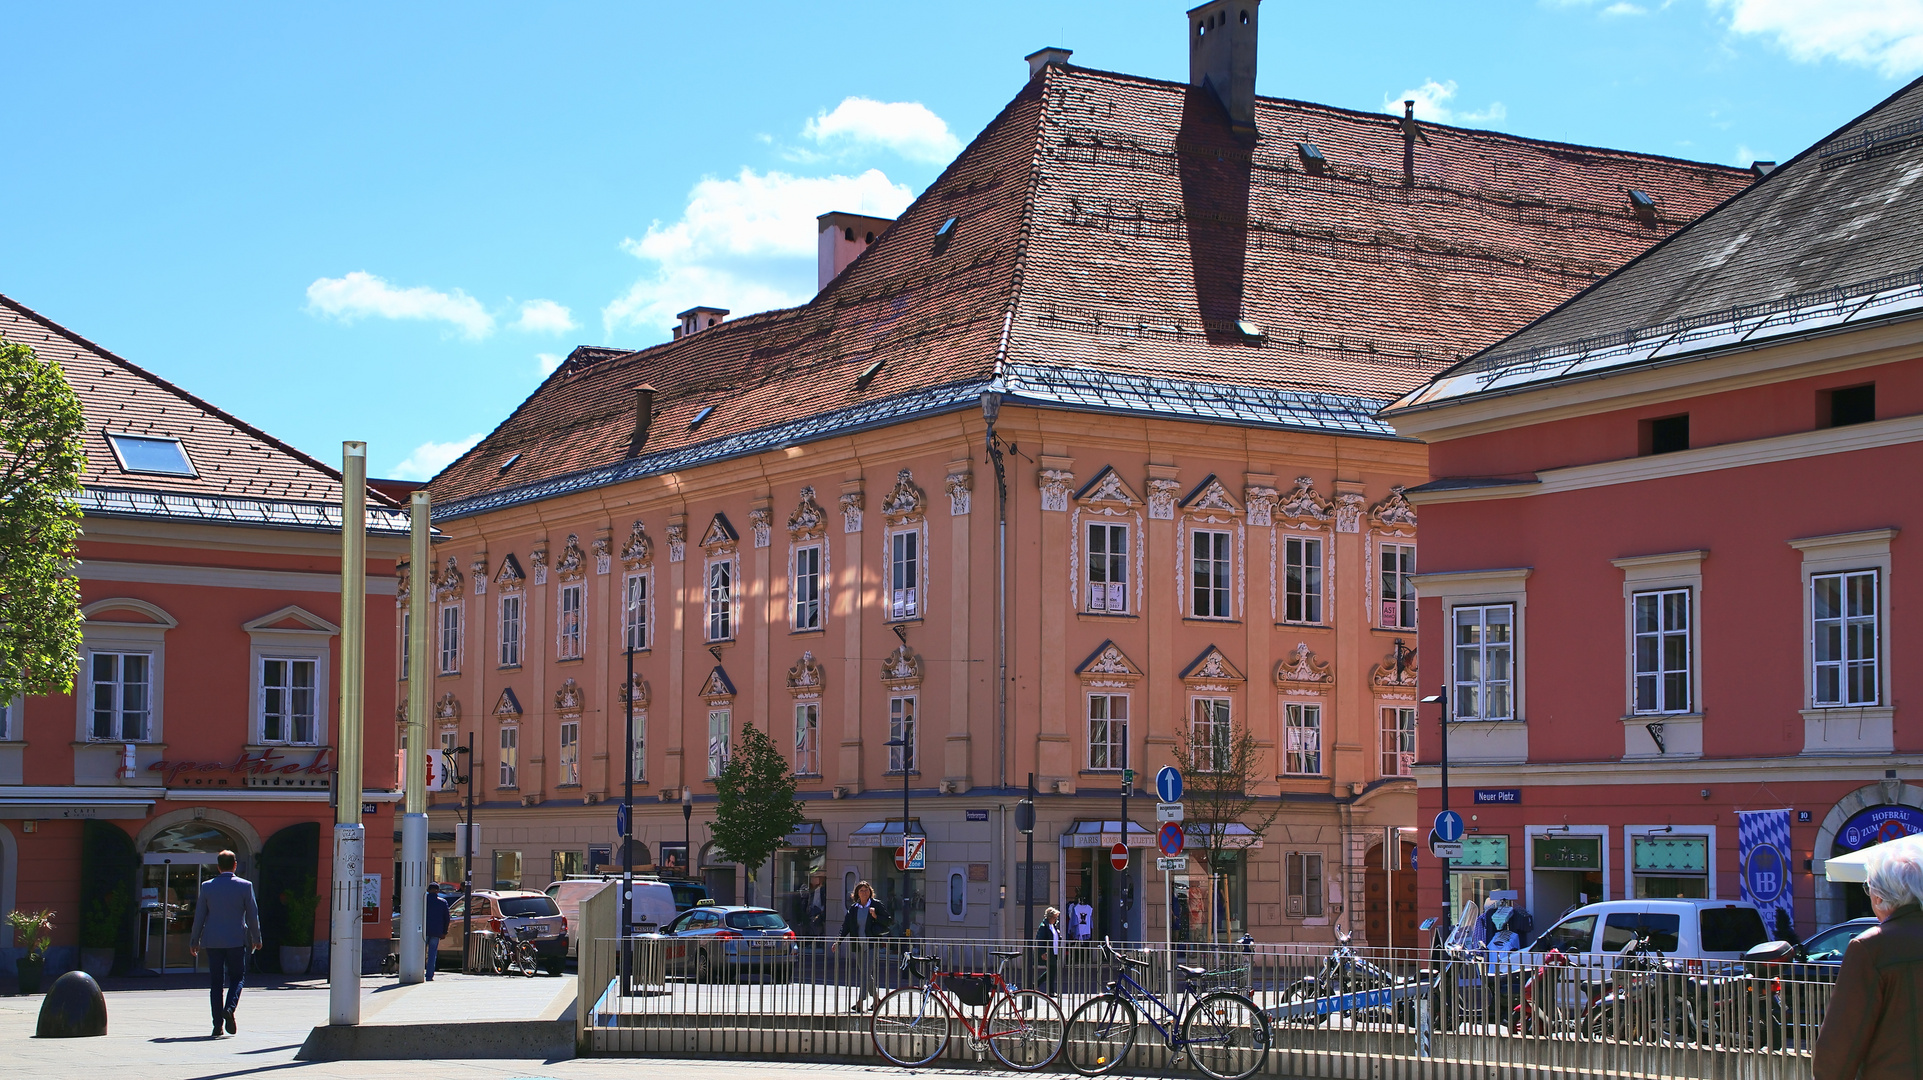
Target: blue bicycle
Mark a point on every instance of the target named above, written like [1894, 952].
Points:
[1224, 1033]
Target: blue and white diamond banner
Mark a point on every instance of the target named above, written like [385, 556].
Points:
[1762, 841]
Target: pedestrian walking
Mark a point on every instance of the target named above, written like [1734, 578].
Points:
[865, 920]
[437, 920]
[1048, 942]
[227, 925]
[1870, 1029]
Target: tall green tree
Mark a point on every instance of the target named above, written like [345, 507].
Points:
[41, 463]
[755, 801]
[1220, 762]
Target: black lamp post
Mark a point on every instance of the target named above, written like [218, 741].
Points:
[458, 756]
[687, 831]
[1025, 824]
[1441, 697]
[626, 921]
[907, 764]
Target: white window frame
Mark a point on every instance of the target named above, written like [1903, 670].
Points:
[99, 633]
[510, 759]
[117, 709]
[1657, 682]
[1672, 571]
[905, 580]
[1399, 727]
[1221, 591]
[1629, 835]
[1302, 738]
[1110, 594]
[1107, 733]
[407, 622]
[570, 603]
[448, 638]
[1398, 580]
[1845, 667]
[512, 612]
[904, 714]
[315, 691]
[1304, 581]
[808, 587]
[570, 759]
[720, 737]
[1482, 649]
[807, 738]
[1307, 902]
[719, 590]
[637, 598]
[12, 718]
[640, 746]
[1220, 720]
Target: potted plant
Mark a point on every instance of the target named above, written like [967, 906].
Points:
[100, 927]
[34, 929]
[297, 943]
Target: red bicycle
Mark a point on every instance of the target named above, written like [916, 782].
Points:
[912, 1025]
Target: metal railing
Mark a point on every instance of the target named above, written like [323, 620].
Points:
[1333, 1011]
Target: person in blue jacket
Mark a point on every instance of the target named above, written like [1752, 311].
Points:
[437, 920]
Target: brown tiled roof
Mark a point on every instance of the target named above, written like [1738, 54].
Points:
[1111, 233]
[238, 464]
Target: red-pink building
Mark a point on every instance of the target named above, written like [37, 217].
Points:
[1670, 557]
[206, 713]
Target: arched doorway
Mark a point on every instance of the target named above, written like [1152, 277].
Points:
[289, 866]
[1864, 818]
[173, 862]
[718, 873]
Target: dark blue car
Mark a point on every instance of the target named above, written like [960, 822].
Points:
[713, 940]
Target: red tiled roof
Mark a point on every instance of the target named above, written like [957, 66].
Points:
[234, 459]
[1112, 224]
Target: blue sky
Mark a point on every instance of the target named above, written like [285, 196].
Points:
[386, 221]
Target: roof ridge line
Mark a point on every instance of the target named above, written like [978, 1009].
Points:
[168, 386]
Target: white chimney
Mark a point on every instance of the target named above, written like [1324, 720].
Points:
[840, 238]
[696, 319]
[1222, 56]
[1041, 58]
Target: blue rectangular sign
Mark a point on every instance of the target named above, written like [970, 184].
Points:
[1508, 795]
[977, 815]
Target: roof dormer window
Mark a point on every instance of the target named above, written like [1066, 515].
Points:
[158, 455]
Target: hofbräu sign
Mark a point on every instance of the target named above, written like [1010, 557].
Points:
[268, 769]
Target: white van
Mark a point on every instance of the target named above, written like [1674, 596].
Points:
[1696, 932]
[653, 903]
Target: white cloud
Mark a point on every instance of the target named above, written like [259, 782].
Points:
[361, 294]
[746, 244]
[1625, 8]
[906, 127]
[431, 457]
[546, 362]
[1883, 34]
[1432, 104]
[545, 317]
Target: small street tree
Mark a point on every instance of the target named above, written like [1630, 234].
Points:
[1220, 762]
[41, 463]
[755, 807]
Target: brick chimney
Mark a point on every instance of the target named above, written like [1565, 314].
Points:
[841, 237]
[696, 319]
[1222, 57]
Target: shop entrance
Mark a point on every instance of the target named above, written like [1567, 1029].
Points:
[1114, 896]
[1566, 871]
[1390, 898]
[172, 868]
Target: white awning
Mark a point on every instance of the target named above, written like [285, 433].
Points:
[1856, 865]
[1102, 834]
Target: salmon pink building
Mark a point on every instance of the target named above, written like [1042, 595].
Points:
[206, 710]
[1076, 459]
[1671, 571]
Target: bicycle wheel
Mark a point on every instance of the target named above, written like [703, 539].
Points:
[530, 961]
[1025, 1029]
[909, 1027]
[497, 958]
[1227, 1036]
[1100, 1034]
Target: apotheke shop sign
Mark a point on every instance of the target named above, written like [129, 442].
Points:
[268, 769]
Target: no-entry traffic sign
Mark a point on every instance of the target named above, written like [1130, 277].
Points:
[1118, 856]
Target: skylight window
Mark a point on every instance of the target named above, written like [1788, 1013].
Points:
[509, 463]
[1312, 158]
[868, 374]
[699, 416]
[944, 234]
[157, 455]
[1642, 205]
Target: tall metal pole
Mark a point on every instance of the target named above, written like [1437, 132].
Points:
[467, 857]
[350, 838]
[907, 762]
[1028, 875]
[626, 920]
[1122, 904]
[1447, 918]
[413, 943]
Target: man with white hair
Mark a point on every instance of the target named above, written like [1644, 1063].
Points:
[1873, 1029]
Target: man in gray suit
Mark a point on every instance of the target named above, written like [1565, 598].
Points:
[227, 925]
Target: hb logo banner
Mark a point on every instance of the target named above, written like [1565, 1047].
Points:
[1762, 841]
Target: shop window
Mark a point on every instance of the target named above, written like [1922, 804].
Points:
[1107, 732]
[1670, 866]
[1108, 568]
[1302, 580]
[507, 870]
[567, 864]
[1305, 888]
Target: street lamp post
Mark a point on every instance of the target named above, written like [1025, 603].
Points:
[1441, 697]
[465, 755]
[907, 763]
[626, 921]
[687, 831]
[1025, 824]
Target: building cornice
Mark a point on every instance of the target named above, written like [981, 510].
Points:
[226, 577]
[1666, 771]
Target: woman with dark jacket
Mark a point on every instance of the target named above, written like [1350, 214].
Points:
[865, 919]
